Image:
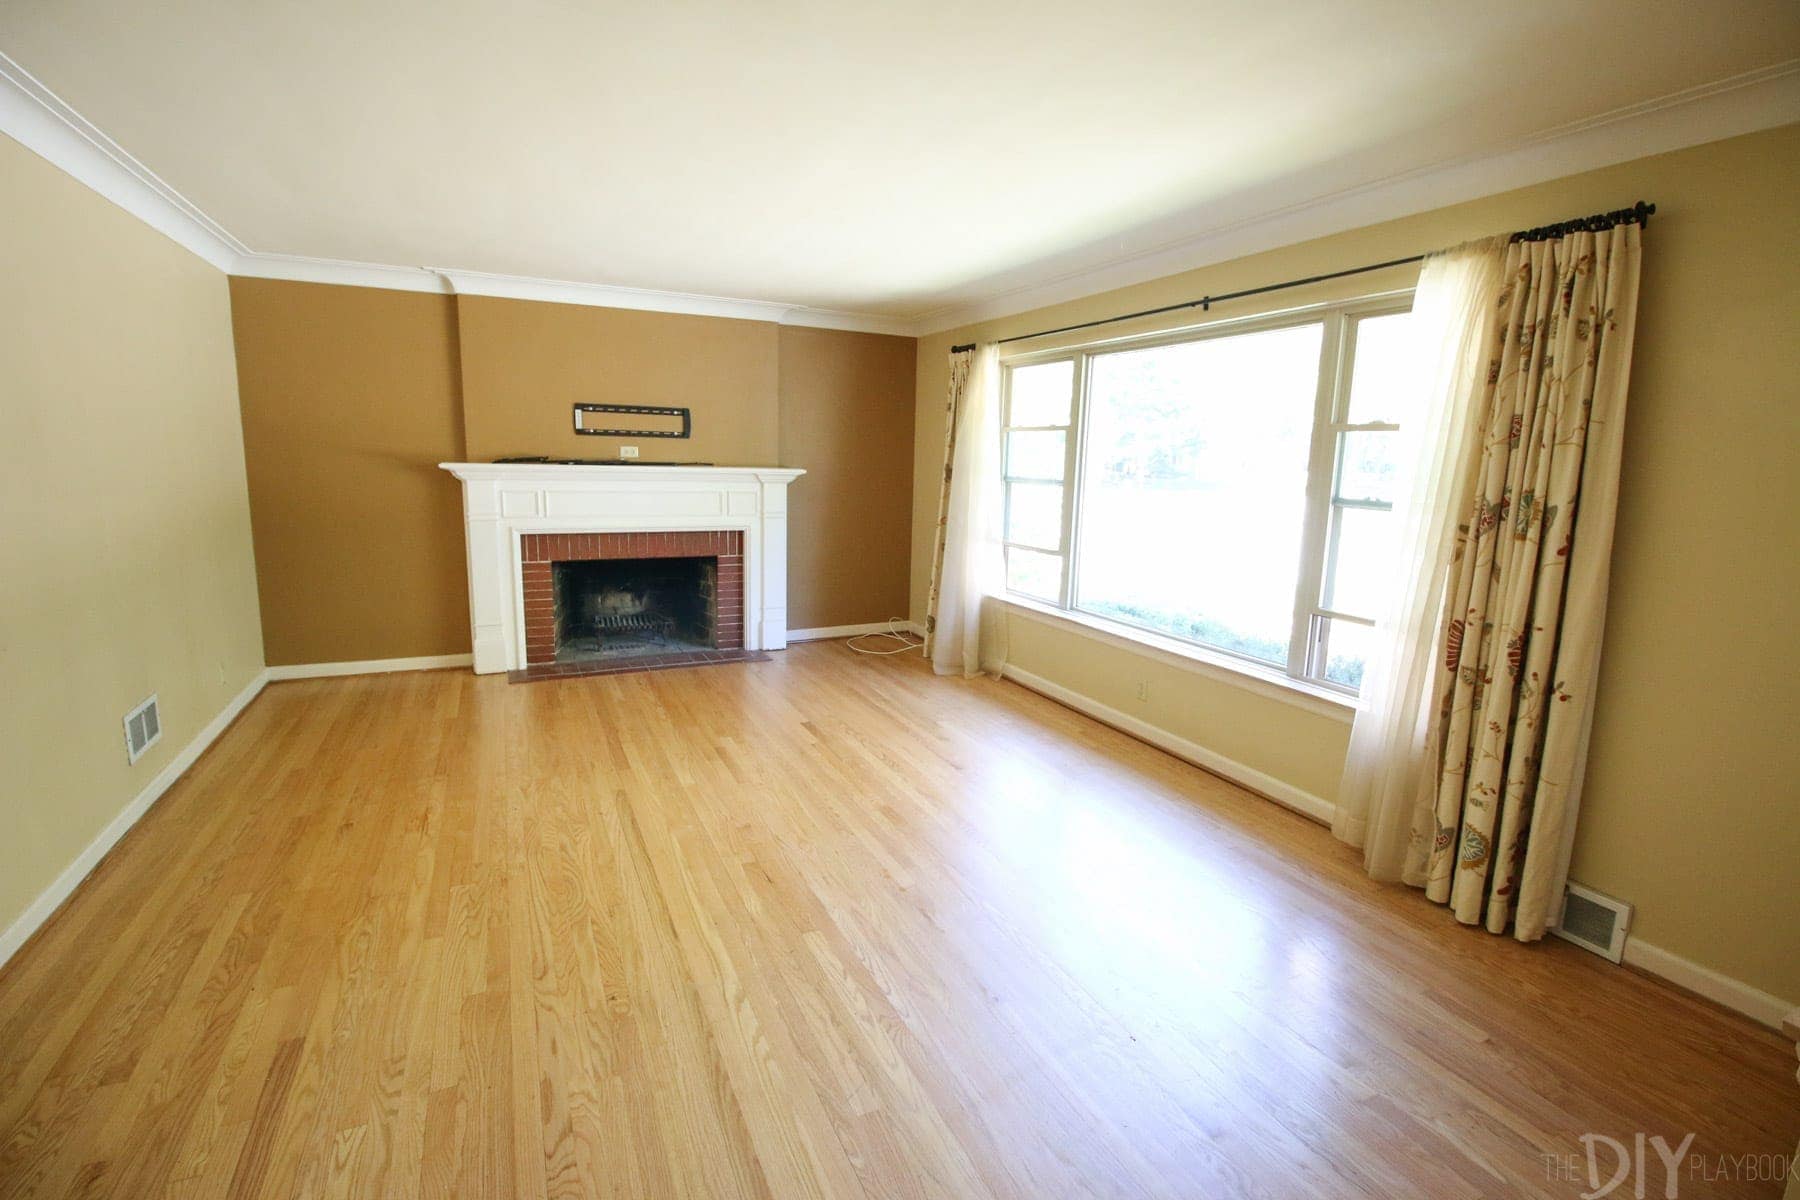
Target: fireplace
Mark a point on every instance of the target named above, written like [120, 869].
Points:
[614, 608]
[521, 519]
[593, 597]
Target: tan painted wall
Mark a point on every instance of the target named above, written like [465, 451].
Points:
[352, 396]
[125, 564]
[350, 401]
[525, 363]
[1692, 791]
[847, 419]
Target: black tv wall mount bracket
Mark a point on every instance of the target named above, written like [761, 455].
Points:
[661, 428]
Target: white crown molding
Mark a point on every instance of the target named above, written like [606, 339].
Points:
[1746, 103]
[849, 322]
[38, 119]
[301, 269]
[599, 295]
[41, 121]
[451, 281]
[562, 291]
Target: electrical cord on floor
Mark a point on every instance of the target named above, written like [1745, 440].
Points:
[907, 640]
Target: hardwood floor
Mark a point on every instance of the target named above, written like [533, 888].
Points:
[822, 926]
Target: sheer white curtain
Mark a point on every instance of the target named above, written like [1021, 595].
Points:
[961, 633]
[1385, 769]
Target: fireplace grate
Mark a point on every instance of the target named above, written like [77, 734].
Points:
[616, 625]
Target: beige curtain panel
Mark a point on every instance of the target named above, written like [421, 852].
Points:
[1509, 697]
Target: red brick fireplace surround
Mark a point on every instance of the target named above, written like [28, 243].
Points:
[539, 550]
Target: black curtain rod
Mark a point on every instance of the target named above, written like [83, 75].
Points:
[1638, 214]
[1205, 303]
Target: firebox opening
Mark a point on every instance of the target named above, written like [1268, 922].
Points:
[624, 607]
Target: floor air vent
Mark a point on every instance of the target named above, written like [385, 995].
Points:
[1595, 922]
[143, 726]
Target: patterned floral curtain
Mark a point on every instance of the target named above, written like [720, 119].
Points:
[1510, 697]
[960, 363]
[964, 635]
[1528, 581]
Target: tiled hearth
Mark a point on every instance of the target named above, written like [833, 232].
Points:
[632, 666]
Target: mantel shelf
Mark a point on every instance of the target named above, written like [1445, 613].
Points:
[539, 473]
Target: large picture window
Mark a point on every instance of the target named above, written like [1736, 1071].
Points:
[1231, 487]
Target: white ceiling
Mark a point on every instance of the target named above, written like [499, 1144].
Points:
[875, 158]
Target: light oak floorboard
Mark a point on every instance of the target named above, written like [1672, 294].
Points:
[826, 926]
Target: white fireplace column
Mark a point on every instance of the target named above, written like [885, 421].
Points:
[502, 501]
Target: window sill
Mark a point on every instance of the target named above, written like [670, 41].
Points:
[1231, 671]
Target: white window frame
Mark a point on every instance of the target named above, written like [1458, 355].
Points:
[1308, 645]
[1071, 458]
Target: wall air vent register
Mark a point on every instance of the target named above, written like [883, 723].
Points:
[143, 729]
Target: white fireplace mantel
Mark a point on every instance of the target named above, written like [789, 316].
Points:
[502, 501]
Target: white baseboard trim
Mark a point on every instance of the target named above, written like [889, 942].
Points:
[369, 666]
[1734, 994]
[52, 897]
[1285, 794]
[1760, 1006]
[844, 631]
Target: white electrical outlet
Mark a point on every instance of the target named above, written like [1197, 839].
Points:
[1143, 689]
[628, 451]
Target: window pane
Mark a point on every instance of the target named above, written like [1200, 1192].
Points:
[1040, 394]
[1360, 575]
[1034, 574]
[1195, 484]
[1034, 514]
[1384, 373]
[1366, 466]
[1036, 455]
[1345, 651]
